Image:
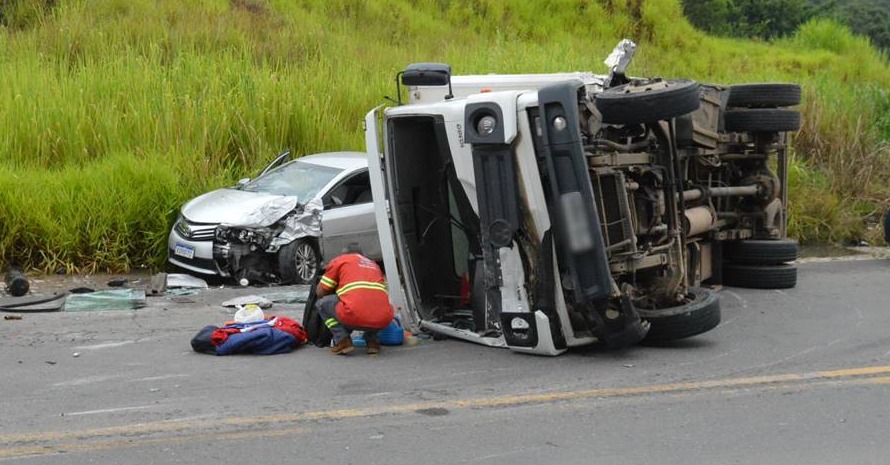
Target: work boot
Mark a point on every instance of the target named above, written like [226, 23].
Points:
[373, 346]
[343, 347]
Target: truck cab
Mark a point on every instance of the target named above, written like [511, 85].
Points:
[544, 212]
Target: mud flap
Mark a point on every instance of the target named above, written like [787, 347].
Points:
[627, 329]
[574, 215]
[545, 290]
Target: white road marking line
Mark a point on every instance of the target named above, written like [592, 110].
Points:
[108, 410]
[85, 381]
[156, 378]
[107, 345]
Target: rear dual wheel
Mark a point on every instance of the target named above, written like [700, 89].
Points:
[760, 252]
[760, 264]
[765, 95]
[781, 276]
[762, 108]
[761, 120]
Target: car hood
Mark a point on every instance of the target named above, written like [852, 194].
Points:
[238, 208]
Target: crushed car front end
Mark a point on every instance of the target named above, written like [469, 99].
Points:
[250, 248]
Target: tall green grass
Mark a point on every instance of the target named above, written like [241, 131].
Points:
[116, 111]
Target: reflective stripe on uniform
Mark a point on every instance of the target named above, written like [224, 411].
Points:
[361, 285]
[328, 282]
[331, 322]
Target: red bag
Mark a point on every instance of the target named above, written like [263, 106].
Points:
[292, 327]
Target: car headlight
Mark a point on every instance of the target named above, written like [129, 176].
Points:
[181, 227]
[229, 234]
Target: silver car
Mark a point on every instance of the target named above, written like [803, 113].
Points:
[269, 229]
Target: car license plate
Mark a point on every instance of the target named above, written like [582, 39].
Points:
[184, 251]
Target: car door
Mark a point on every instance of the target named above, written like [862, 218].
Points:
[349, 217]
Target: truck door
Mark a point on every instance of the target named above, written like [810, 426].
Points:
[380, 193]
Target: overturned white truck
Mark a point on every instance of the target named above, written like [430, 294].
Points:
[543, 212]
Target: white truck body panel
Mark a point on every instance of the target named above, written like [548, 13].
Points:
[464, 86]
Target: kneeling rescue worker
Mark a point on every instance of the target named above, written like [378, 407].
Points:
[360, 301]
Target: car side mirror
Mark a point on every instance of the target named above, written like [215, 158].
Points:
[331, 202]
[243, 181]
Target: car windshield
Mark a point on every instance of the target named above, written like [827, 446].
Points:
[297, 178]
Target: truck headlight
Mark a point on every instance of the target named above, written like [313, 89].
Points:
[485, 125]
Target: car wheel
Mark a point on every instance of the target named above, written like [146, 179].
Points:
[762, 120]
[760, 277]
[700, 314]
[648, 101]
[761, 252]
[770, 95]
[298, 262]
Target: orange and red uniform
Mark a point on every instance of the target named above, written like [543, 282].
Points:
[361, 288]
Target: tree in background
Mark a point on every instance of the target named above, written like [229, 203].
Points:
[713, 16]
[769, 19]
[870, 18]
[764, 19]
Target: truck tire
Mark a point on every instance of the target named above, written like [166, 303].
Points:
[699, 315]
[298, 262]
[760, 252]
[782, 276]
[769, 95]
[648, 102]
[761, 120]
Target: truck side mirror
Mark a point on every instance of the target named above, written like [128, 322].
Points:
[424, 74]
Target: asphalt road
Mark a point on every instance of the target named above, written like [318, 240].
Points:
[800, 376]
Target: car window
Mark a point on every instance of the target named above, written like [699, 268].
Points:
[352, 191]
[297, 178]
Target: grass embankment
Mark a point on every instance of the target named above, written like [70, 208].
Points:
[116, 111]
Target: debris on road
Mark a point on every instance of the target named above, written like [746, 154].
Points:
[158, 284]
[241, 301]
[16, 283]
[110, 300]
[52, 303]
[118, 282]
[288, 297]
[179, 280]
